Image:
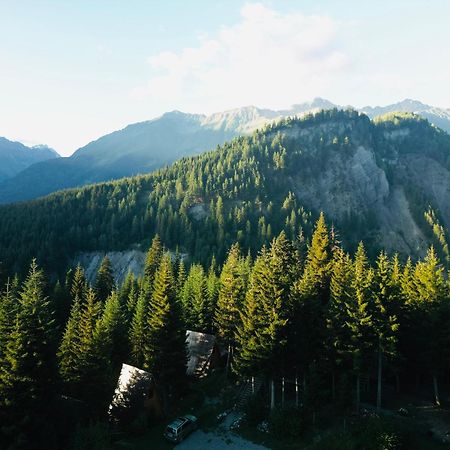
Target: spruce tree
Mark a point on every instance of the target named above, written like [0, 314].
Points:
[104, 281]
[316, 276]
[105, 355]
[153, 260]
[430, 314]
[165, 339]
[212, 292]
[385, 321]
[194, 299]
[28, 369]
[69, 349]
[359, 319]
[128, 294]
[77, 284]
[180, 277]
[112, 331]
[8, 312]
[138, 330]
[262, 334]
[231, 297]
[77, 353]
[251, 352]
[310, 296]
[338, 336]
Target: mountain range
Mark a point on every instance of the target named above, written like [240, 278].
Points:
[385, 181]
[146, 146]
[16, 157]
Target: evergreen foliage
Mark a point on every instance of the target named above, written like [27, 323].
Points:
[165, 339]
[306, 312]
[104, 282]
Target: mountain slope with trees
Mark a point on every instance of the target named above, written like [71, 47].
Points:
[384, 182]
[294, 312]
[143, 147]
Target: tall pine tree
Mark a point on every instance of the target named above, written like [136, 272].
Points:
[165, 338]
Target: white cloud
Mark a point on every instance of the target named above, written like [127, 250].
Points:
[268, 58]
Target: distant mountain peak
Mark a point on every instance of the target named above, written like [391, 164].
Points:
[412, 104]
[45, 147]
[144, 146]
[16, 157]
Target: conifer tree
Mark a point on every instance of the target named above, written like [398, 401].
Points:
[430, 305]
[338, 336]
[230, 299]
[385, 321]
[90, 314]
[194, 299]
[212, 292]
[104, 357]
[128, 294]
[359, 318]
[311, 294]
[139, 326]
[104, 282]
[69, 350]
[262, 334]
[252, 350]
[61, 300]
[181, 277]
[138, 330]
[77, 353]
[8, 312]
[165, 338]
[153, 260]
[112, 331]
[316, 276]
[28, 369]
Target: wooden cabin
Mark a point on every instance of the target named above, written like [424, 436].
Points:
[203, 353]
[135, 393]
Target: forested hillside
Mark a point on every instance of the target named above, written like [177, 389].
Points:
[384, 182]
[146, 146]
[298, 312]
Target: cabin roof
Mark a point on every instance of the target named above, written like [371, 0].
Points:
[132, 382]
[200, 347]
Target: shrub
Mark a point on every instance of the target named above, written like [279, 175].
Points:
[91, 437]
[256, 409]
[287, 423]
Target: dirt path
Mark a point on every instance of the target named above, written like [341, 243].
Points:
[217, 441]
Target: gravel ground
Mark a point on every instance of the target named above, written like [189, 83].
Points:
[199, 440]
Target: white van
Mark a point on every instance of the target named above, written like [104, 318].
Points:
[177, 430]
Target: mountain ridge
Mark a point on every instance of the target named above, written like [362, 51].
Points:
[16, 157]
[146, 146]
[375, 180]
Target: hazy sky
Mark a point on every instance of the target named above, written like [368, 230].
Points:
[73, 70]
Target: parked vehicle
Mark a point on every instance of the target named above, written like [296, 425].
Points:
[177, 430]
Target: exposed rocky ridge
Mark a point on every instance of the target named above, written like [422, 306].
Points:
[373, 179]
[122, 263]
[353, 184]
[146, 146]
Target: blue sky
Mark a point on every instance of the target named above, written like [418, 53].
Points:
[71, 71]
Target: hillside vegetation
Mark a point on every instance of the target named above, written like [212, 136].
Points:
[374, 180]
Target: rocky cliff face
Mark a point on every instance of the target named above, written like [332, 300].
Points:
[373, 179]
[121, 262]
[384, 180]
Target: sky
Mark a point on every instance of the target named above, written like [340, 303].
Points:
[74, 70]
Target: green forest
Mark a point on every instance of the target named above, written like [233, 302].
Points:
[245, 191]
[301, 308]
